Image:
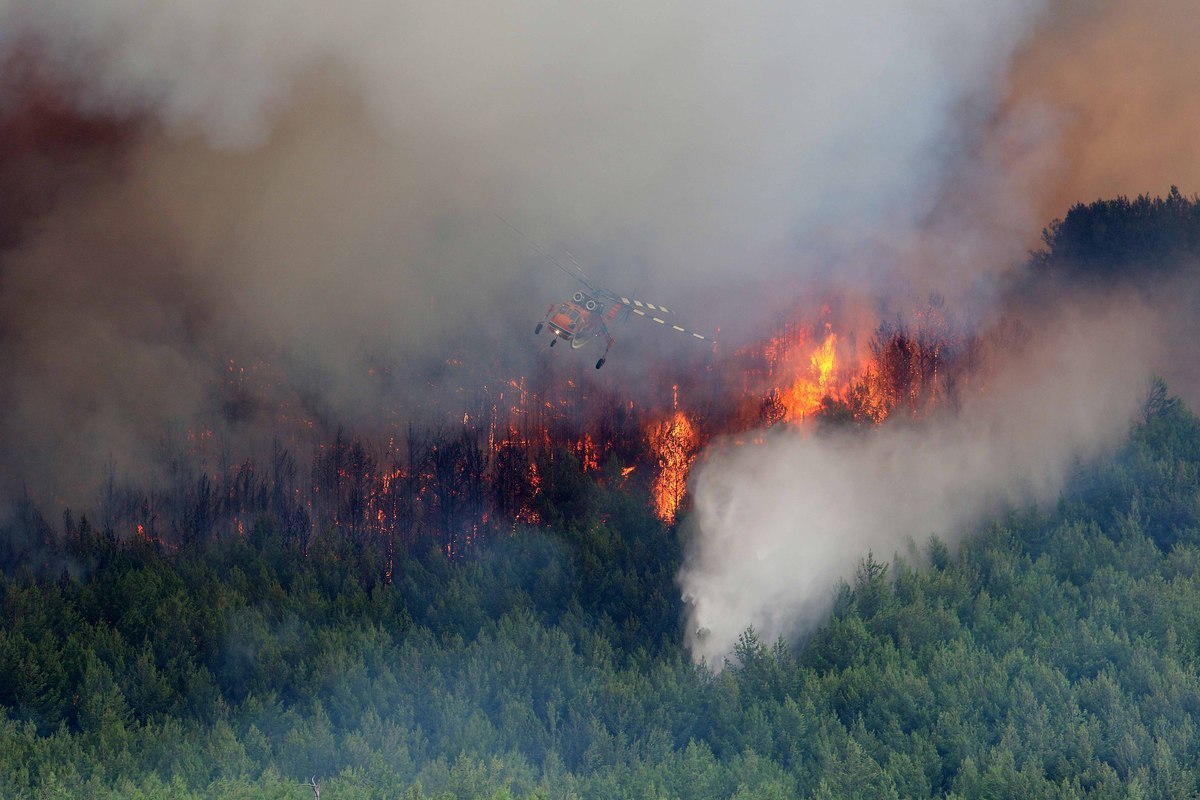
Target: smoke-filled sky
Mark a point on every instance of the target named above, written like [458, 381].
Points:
[316, 186]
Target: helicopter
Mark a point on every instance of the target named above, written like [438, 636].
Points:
[587, 315]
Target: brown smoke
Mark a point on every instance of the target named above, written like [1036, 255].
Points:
[1118, 80]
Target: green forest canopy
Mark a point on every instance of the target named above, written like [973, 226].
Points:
[1054, 656]
[1057, 654]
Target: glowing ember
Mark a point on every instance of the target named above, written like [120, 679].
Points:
[527, 514]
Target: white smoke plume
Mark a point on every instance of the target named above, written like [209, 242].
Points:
[1097, 103]
[778, 525]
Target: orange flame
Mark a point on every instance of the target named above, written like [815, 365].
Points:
[527, 514]
[673, 443]
[804, 397]
[589, 455]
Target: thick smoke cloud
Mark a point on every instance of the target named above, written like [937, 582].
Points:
[317, 188]
[1111, 84]
[1098, 102]
[778, 525]
[683, 137]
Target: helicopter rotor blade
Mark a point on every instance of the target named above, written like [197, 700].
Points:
[635, 304]
[574, 263]
[677, 328]
[577, 273]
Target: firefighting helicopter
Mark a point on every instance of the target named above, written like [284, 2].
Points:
[587, 315]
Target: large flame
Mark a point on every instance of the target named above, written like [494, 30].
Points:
[673, 442]
[803, 398]
[807, 374]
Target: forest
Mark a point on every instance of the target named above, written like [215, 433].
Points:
[1054, 654]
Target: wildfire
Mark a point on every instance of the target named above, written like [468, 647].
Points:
[526, 513]
[492, 465]
[673, 443]
[795, 378]
[805, 396]
[589, 454]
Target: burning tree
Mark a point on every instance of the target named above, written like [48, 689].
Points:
[673, 443]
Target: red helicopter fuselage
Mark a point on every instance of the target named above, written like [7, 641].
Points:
[577, 324]
[586, 316]
[581, 319]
